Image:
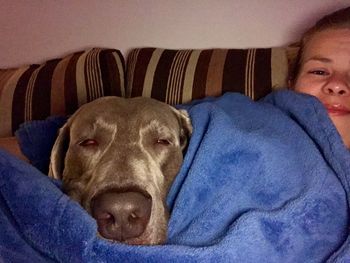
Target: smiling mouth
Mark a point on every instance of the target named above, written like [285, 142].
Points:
[337, 110]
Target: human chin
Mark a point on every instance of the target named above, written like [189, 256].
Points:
[341, 122]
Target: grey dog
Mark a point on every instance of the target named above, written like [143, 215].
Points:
[118, 157]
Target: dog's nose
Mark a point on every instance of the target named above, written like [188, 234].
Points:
[121, 216]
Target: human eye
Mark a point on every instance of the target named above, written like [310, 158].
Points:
[318, 72]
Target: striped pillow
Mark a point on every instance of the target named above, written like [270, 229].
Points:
[58, 86]
[179, 76]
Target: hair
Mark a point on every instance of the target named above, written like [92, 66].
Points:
[339, 19]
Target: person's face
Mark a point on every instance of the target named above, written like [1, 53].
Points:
[325, 74]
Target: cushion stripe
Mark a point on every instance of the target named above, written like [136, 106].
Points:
[98, 91]
[71, 87]
[200, 77]
[189, 75]
[19, 97]
[149, 73]
[29, 94]
[6, 100]
[279, 67]
[215, 73]
[161, 75]
[234, 77]
[5, 76]
[176, 77]
[110, 66]
[249, 73]
[118, 71]
[89, 72]
[263, 74]
[143, 59]
[131, 65]
[93, 76]
[41, 96]
[79, 80]
[57, 92]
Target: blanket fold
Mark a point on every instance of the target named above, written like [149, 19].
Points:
[263, 181]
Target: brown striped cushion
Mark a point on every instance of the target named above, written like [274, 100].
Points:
[58, 87]
[179, 76]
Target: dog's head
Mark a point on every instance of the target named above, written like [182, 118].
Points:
[118, 157]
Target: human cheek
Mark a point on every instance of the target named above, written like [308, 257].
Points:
[305, 84]
[347, 102]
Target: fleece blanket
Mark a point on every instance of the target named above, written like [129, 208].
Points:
[263, 181]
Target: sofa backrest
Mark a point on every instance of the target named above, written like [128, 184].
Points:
[60, 86]
[180, 76]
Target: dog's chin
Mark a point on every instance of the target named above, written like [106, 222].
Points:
[144, 240]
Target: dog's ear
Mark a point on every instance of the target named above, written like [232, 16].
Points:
[186, 126]
[58, 153]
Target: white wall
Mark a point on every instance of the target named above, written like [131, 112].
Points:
[32, 31]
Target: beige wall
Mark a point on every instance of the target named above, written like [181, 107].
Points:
[34, 30]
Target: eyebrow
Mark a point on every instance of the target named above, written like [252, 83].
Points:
[320, 59]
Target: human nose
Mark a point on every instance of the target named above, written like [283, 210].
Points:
[337, 86]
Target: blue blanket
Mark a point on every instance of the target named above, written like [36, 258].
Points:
[263, 181]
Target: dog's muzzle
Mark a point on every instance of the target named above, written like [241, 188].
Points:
[121, 215]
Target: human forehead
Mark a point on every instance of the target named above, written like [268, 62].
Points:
[328, 43]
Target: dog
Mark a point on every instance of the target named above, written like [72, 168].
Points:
[118, 157]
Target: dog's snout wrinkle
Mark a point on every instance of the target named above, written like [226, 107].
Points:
[121, 215]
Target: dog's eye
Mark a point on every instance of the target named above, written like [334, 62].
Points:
[88, 142]
[164, 142]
